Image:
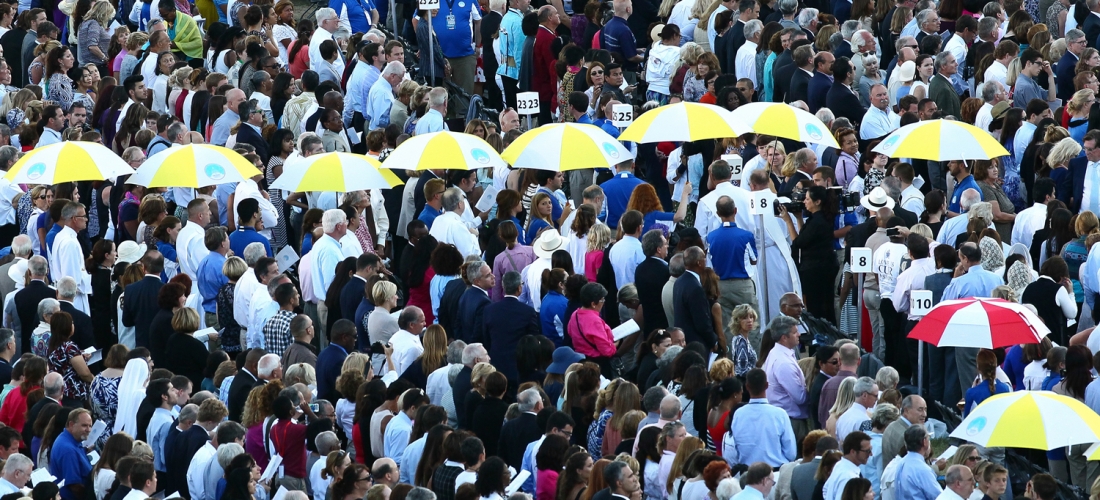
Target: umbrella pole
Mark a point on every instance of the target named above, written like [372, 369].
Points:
[920, 367]
[761, 269]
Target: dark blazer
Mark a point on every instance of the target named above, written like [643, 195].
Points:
[238, 393]
[650, 278]
[469, 326]
[799, 87]
[941, 91]
[485, 421]
[845, 48]
[351, 296]
[248, 135]
[734, 39]
[782, 78]
[82, 323]
[1091, 28]
[1078, 167]
[32, 415]
[817, 90]
[12, 41]
[448, 305]
[26, 306]
[518, 433]
[842, 10]
[691, 309]
[843, 102]
[506, 322]
[459, 390]
[139, 306]
[1064, 74]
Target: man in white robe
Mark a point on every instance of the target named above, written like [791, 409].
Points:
[66, 255]
[780, 276]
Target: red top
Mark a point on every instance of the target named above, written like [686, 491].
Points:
[544, 79]
[717, 431]
[421, 296]
[13, 412]
[289, 440]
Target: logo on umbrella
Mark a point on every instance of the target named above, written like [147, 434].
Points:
[813, 131]
[976, 426]
[890, 141]
[37, 170]
[479, 155]
[611, 150]
[215, 171]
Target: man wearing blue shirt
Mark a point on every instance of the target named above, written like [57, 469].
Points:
[963, 181]
[67, 458]
[209, 273]
[762, 432]
[433, 204]
[975, 281]
[728, 245]
[357, 16]
[618, 190]
[432, 121]
[250, 223]
[380, 101]
[366, 72]
[915, 479]
[227, 120]
[511, 41]
[616, 37]
[458, 28]
[759, 482]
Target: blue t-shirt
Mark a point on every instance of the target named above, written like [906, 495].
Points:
[455, 34]
[69, 463]
[428, 215]
[617, 191]
[731, 243]
[555, 214]
[552, 316]
[956, 196]
[975, 395]
[534, 228]
[245, 235]
[650, 221]
[617, 37]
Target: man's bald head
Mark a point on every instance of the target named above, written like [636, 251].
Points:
[334, 100]
[670, 407]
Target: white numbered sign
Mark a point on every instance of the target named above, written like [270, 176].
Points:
[429, 4]
[622, 115]
[737, 165]
[763, 203]
[920, 302]
[527, 103]
[861, 260]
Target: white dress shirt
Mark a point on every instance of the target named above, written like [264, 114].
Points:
[242, 297]
[746, 61]
[625, 257]
[190, 250]
[195, 470]
[1028, 222]
[450, 228]
[984, 116]
[850, 420]
[320, 35]
[997, 72]
[406, 348]
[843, 471]
[350, 245]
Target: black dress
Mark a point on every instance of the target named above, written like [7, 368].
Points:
[486, 421]
[188, 357]
[103, 310]
[817, 259]
[160, 330]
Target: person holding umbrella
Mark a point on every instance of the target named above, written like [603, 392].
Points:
[970, 281]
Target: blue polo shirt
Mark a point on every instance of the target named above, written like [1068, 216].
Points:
[732, 243]
[956, 195]
[244, 236]
[358, 13]
[428, 215]
[617, 191]
[68, 462]
[457, 38]
[617, 37]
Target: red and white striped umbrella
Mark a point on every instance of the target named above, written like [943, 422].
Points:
[979, 322]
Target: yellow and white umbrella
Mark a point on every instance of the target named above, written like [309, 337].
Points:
[194, 166]
[566, 146]
[941, 140]
[339, 172]
[787, 122]
[67, 162]
[684, 121]
[444, 150]
[1040, 420]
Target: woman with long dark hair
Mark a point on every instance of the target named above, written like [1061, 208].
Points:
[649, 461]
[420, 275]
[816, 256]
[492, 479]
[549, 462]
[989, 385]
[434, 454]
[281, 146]
[282, 89]
[59, 87]
[573, 479]
[1078, 372]
[297, 58]
[66, 358]
[101, 264]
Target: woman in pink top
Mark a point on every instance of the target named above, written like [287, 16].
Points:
[598, 239]
[549, 461]
[590, 334]
[515, 257]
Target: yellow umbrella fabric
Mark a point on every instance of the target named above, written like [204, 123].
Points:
[941, 140]
[1039, 420]
[444, 150]
[566, 146]
[194, 166]
[339, 172]
[67, 162]
[684, 121]
[787, 122]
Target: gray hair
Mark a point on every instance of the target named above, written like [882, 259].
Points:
[53, 385]
[6, 335]
[892, 186]
[16, 462]
[8, 154]
[452, 374]
[987, 25]
[472, 352]
[613, 473]
[528, 399]
[669, 355]
[228, 451]
[454, 352]
[38, 266]
[857, 38]
[884, 414]
[420, 493]
[292, 394]
[258, 78]
[651, 401]
[393, 68]
[825, 115]
[295, 495]
[324, 14]
[473, 270]
[923, 16]
[267, 365]
[177, 129]
[332, 218]
[969, 198]
[806, 17]
[327, 442]
[864, 385]
[803, 156]
[70, 210]
[670, 407]
[990, 90]
[1074, 35]
[511, 282]
[437, 96]
[887, 378]
[48, 306]
[676, 265]
[849, 28]
[868, 60]
[914, 437]
[902, 41]
[753, 28]
[67, 287]
[189, 413]
[941, 59]
[651, 242]
[452, 198]
[254, 252]
[954, 474]
[780, 326]
[787, 7]
[21, 245]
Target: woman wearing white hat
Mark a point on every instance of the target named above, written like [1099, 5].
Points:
[129, 252]
[544, 247]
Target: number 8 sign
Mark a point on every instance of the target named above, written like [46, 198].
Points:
[860, 260]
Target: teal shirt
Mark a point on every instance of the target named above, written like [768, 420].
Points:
[511, 43]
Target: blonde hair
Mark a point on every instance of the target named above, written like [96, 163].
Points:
[1080, 100]
[356, 361]
[923, 230]
[300, 373]
[1087, 223]
[739, 313]
[480, 371]
[722, 369]
[1062, 152]
[382, 291]
[599, 236]
[845, 397]
[102, 14]
[180, 77]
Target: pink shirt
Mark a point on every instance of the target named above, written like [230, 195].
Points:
[591, 335]
[546, 484]
[592, 262]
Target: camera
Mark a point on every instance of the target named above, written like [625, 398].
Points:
[893, 231]
[797, 202]
[848, 200]
[377, 348]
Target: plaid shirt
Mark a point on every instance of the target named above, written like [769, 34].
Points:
[443, 480]
[277, 332]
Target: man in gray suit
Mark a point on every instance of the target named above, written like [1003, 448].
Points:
[802, 478]
[913, 411]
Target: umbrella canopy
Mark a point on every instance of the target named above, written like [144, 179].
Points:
[781, 120]
[684, 121]
[941, 140]
[1040, 420]
[979, 322]
[340, 172]
[194, 166]
[444, 150]
[566, 146]
[67, 162]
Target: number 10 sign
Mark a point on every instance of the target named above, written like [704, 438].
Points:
[920, 302]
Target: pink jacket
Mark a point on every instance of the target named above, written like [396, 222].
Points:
[591, 335]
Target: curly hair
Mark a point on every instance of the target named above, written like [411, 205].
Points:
[644, 199]
[258, 405]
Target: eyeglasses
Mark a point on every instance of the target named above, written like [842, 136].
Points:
[597, 73]
[973, 459]
[368, 478]
[833, 362]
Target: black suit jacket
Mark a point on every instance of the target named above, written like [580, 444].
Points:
[506, 322]
[734, 39]
[139, 306]
[818, 91]
[26, 306]
[12, 41]
[1064, 74]
[783, 74]
[448, 305]
[650, 278]
[248, 135]
[32, 415]
[83, 336]
[238, 393]
[799, 87]
[844, 102]
[471, 305]
[459, 390]
[1078, 167]
[1091, 29]
[518, 433]
[350, 297]
[691, 309]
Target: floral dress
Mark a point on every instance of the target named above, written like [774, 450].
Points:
[59, 359]
[1013, 185]
[595, 434]
[105, 403]
[231, 335]
[744, 357]
[564, 89]
[23, 211]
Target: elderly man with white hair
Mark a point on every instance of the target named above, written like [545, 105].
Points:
[450, 228]
[327, 24]
[862, 43]
[955, 226]
[17, 471]
[67, 291]
[11, 274]
[522, 430]
[380, 96]
[992, 93]
[432, 121]
[67, 256]
[746, 55]
[325, 255]
[326, 443]
[247, 285]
